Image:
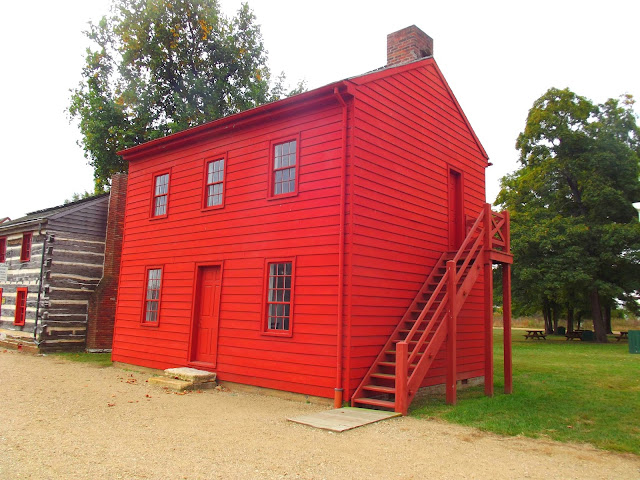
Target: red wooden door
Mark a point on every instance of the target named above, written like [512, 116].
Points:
[205, 324]
[456, 215]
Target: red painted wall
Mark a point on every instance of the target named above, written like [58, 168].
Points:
[408, 133]
[247, 230]
[404, 132]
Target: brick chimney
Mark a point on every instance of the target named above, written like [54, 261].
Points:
[102, 305]
[407, 45]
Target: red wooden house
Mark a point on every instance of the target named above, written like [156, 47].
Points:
[302, 245]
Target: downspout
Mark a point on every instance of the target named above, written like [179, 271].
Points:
[339, 390]
[44, 249]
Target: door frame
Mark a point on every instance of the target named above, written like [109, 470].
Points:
[194, 308]
[459, 228]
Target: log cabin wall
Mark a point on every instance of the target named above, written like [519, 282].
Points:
[67, 255]
[20, 276]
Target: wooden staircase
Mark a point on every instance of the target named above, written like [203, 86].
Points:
[401, 366]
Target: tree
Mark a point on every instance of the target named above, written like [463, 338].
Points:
[159, 67]
[575, 232]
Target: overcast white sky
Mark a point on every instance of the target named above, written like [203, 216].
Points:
[498, 57]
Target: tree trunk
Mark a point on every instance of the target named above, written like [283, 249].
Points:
[546, 313]
[569, 319]
[579, 319]
[607, 318]
[556, 315]
[596, 313]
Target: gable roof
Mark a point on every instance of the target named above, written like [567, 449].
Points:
[246, 117]
[44, 215]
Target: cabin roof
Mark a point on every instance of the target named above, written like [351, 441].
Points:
[48, 213]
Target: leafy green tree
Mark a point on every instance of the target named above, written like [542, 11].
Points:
[575, 232]
[160, 66]
[79, 196]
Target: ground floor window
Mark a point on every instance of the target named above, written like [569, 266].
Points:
[279, 304]
[152, 296]
[21, 306]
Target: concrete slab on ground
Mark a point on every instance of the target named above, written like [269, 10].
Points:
[174, 384]
[185, 378]
[342, 419]
[190, 374]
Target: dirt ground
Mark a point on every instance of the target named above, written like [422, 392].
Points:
[64, 420]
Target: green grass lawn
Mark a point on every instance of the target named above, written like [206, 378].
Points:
[98, 359]
[565, 390]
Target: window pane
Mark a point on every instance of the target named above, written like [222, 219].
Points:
[161, 203]
[162, 183]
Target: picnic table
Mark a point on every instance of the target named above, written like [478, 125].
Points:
[539, 334]
[574, 334]
[622, 335]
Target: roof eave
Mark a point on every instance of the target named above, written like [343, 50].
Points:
[22, 226]
[236, 120]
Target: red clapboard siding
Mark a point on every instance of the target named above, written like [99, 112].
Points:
[408, 132]
[404, 132]
[247, 230]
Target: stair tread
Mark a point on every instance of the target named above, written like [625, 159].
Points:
[393, 352]
[393, 364]
[375, 401]
[390, 376]
[379, 388]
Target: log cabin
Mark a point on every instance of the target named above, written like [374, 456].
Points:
[335, 243]
[58, 275]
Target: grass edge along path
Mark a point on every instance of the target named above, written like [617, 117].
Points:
[579, 392]
[97, 359]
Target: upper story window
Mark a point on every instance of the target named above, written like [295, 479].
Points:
[160, 195]
[214, 189]
[279, 303]
[25, 251]
[152, 296]
[284, 168]
[3, 249]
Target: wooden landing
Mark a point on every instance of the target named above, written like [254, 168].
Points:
[342, 419]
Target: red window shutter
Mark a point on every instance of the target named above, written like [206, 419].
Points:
[21, 306]
[25, 252]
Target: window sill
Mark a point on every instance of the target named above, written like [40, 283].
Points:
[213, 208]
[282, 195]
[280, 333]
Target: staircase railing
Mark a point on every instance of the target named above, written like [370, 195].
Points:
[462, 272]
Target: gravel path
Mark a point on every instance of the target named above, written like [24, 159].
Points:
[64, 420]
